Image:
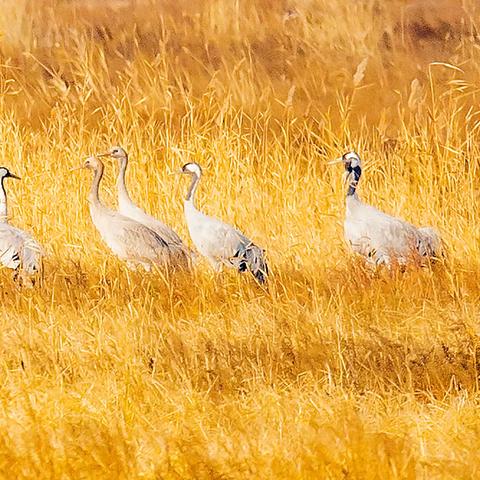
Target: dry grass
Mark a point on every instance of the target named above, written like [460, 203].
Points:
[331, 372]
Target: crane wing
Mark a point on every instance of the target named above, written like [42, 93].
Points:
[382, 237]
[142, 243]
[18, 248]
[136, 213]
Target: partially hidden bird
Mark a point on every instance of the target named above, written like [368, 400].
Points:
[130, 240]
[219, 242]
[18, 249]
[129, 209]
[382, 238]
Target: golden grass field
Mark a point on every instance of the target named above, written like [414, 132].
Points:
[332, 371]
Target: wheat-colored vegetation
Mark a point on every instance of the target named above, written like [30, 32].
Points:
[330, 372]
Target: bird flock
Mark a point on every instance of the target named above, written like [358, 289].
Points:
[144, 241]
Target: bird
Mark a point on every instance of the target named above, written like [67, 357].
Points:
[130, 240]
[219, 242]
[382, 238]
[18, 249]
[127, 208]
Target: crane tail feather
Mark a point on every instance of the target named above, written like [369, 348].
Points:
[252, 258]
[430, 243]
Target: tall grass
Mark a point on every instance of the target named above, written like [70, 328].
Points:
[330, 372]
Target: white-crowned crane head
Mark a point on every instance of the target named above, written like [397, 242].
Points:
[353, 169]
[351, 160]
[192, 169]
[6, 173]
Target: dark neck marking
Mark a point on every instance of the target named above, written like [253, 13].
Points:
[356, 172]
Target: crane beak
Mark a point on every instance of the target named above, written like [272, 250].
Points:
[337, 160]
[11, 175]
[106, 154]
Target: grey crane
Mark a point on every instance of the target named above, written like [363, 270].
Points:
[382, 238]
[129, 209]
[219, 242]
[18, 249]
[131, 241]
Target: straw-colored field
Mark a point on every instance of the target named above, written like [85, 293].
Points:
[330, 372]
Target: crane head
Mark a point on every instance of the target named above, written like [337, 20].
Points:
[349, 159]
[93, 163]
[6, 173]
[353, 167]
[192, 169]
[115, 152]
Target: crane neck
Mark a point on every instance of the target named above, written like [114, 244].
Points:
[123, 195]
[193, 188]
[93, 196]
[356, 174]
[3, 203]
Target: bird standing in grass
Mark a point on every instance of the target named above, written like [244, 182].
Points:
[129, 209]
[382, 238]
[221, 243]
[18, 249]
[131, 241]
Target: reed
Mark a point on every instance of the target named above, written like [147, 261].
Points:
[332, 372]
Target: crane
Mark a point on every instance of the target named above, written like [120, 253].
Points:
[129, 209]
[18, 249]
[131, 241]
[219, 242]
[379, 237]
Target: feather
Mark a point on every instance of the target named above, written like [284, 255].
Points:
[430, 243]
[251, 258]
[19, 250]
[128, 239]
[219, 242]
[382, 238]
[179, 253]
